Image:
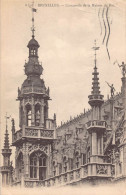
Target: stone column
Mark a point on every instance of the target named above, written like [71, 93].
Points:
[102, 144]
[33, 112]
[24, 121]
[42, 114]
[26, 161]
[94, 143]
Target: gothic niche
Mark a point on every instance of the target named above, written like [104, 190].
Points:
[38, 165]
[28, 115]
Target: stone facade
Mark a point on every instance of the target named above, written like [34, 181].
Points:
[90, 148]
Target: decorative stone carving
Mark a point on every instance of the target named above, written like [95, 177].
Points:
[28, 184]
[85, 171]
[38, 147]
[28, 100]
[46, 133]
[65, 178]
[71, 176]
[101, 169]
[78, 174]
[40, 184]
[48, 183]
[31, 132]
[113, 170]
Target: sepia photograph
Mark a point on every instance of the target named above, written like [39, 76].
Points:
[62, 97]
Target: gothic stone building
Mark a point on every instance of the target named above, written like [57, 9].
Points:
[90, 148]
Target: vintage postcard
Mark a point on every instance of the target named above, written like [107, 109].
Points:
[63, 97]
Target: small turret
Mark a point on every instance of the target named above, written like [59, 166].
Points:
[6, 152]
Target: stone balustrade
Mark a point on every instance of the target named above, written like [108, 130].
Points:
[105, 170]
[27, 90]
[32, 132]
[95, 97]
[96, 124]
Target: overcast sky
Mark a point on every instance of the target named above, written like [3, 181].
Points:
[66, 36]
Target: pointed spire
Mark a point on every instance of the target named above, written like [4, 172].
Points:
[95, 79]
[6, 139]
[95, 98]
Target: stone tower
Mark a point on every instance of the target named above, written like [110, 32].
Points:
[34, 140]
[6, 169]
[97, 127]
[98, 169]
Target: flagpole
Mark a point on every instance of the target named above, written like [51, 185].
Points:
[33, 28]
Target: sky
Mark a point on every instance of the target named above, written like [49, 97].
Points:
[65, 30]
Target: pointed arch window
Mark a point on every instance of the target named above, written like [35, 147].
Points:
[38, 166]
[37, 115]
[28, 114]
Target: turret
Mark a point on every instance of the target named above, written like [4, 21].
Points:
[96, 127]
[6, 152]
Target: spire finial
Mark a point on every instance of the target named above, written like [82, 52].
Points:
[7, 117]
[95, 48]
[33, 26]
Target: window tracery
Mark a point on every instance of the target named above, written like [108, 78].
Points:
[38, 166]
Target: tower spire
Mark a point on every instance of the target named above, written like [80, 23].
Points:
[95, 97]
[6, 140]
[6, 169]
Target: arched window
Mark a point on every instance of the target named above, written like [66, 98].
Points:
[20, 164]
[37, 115]
[28, 114]
[38, 165]
[32, 51]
